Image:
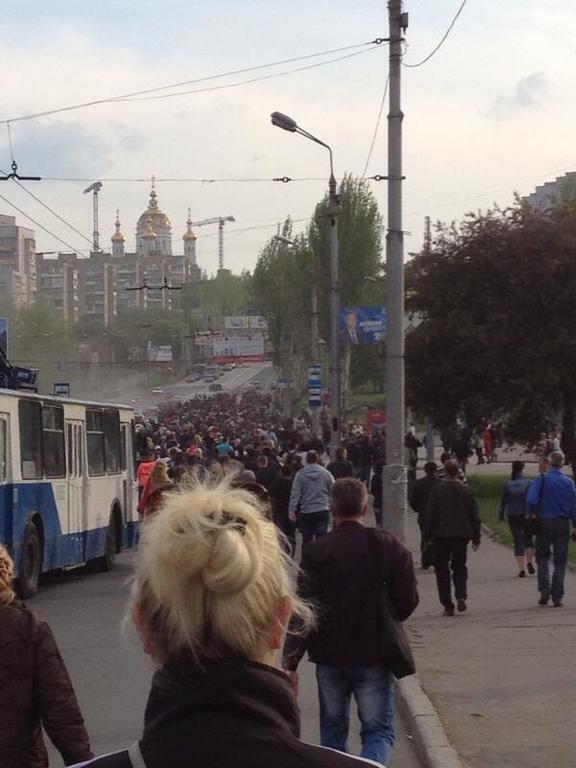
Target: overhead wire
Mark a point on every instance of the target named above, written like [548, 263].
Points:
[135, 94]
[51, 210]
[37, 223]
[442, 41]
[250, 80]
[376, 128]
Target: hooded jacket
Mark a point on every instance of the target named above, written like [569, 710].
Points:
[311, 490]
[224, 714]
[35, 691]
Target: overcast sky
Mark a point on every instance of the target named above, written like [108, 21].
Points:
[492, 113]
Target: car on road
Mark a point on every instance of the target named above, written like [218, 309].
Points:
[256, 384]
[157, 391]
[215, 387]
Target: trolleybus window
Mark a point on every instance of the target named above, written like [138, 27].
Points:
[53, 440]
[95, 440]
[111, 423]
[30, 413]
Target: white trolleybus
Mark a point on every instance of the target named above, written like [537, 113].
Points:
[67, 489]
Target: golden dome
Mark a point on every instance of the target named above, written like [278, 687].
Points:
[189, 235]
[149, 233]
[160, 222]
[117, 237]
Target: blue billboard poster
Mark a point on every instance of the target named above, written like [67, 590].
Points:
[363, 325]
[4, 334]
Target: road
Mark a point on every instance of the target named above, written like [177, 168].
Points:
[234, 381]
[112, 676]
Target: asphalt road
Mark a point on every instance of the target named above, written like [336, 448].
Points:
[112, 676]
[234, 381]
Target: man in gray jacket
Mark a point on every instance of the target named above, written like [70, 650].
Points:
[311, 496]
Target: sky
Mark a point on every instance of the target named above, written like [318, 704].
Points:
[491, 114]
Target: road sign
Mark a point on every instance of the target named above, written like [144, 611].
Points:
[314, 386]
[61, 389]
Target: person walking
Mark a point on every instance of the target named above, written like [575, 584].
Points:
[418, 498]
[452, 520]
[338, 575]
[35, 690]
[552, 499]
[377, 491]
[280, 498]
[341, 467]
[158, 483]
[310, 495]
[211, 601]
[513, 509]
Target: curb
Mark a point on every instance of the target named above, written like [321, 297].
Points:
[432, 745]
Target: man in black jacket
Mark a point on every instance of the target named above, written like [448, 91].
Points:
[338, 576]
[452, 520]
[418, 497]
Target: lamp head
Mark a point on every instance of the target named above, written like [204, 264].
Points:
[284, 122]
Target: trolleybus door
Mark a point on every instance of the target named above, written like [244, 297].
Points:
[75, 475]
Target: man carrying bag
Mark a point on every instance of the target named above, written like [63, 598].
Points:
[363, 585]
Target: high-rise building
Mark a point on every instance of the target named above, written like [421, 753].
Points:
[58, 284]
[17, 262]
[552, 191]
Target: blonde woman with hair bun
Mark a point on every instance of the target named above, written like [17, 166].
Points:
[212, 597]
[35, 689]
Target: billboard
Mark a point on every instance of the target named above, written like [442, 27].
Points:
[245, 322]
[238, 346]
[362, 325]
[160, 354]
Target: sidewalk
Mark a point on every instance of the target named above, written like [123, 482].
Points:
[503, 675]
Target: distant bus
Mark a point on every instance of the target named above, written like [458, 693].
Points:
[67, 488]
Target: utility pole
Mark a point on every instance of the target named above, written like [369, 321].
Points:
[315, 412]
[336, 400]
[429, 427]
[395, 475]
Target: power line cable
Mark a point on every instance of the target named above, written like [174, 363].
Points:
[41, 226]
[442, 41]
[51, 210]
[134, 94]
[377, 127]
[158, 179]
[250, 80]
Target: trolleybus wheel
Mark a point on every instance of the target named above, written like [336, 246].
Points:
[31, 563]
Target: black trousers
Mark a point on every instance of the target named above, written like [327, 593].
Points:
[450, 555]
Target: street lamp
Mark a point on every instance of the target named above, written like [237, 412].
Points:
[289, 124]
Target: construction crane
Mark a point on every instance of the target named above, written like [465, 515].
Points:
[220, 220]
[95, 188]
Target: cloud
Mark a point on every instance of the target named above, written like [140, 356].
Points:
[70, 149]
[527, 94]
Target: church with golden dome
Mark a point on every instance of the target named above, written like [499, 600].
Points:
[153, 263]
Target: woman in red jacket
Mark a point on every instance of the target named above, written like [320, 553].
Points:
[35, 689]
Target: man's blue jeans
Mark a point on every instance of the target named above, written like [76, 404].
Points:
[373, 690]
[554, 534]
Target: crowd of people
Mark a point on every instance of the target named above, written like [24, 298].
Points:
[225, 613]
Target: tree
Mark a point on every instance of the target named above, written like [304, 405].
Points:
[498, 336]
[285, 275]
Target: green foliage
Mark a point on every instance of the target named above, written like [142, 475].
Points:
[208, 301]
[498, 336]
[285, 275]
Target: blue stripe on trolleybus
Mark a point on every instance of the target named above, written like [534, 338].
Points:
[60, 550]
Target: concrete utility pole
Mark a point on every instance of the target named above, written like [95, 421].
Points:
[315, 412]
[395, 475]
[336, 396]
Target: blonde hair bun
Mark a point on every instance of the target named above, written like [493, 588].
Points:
[211, 572]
